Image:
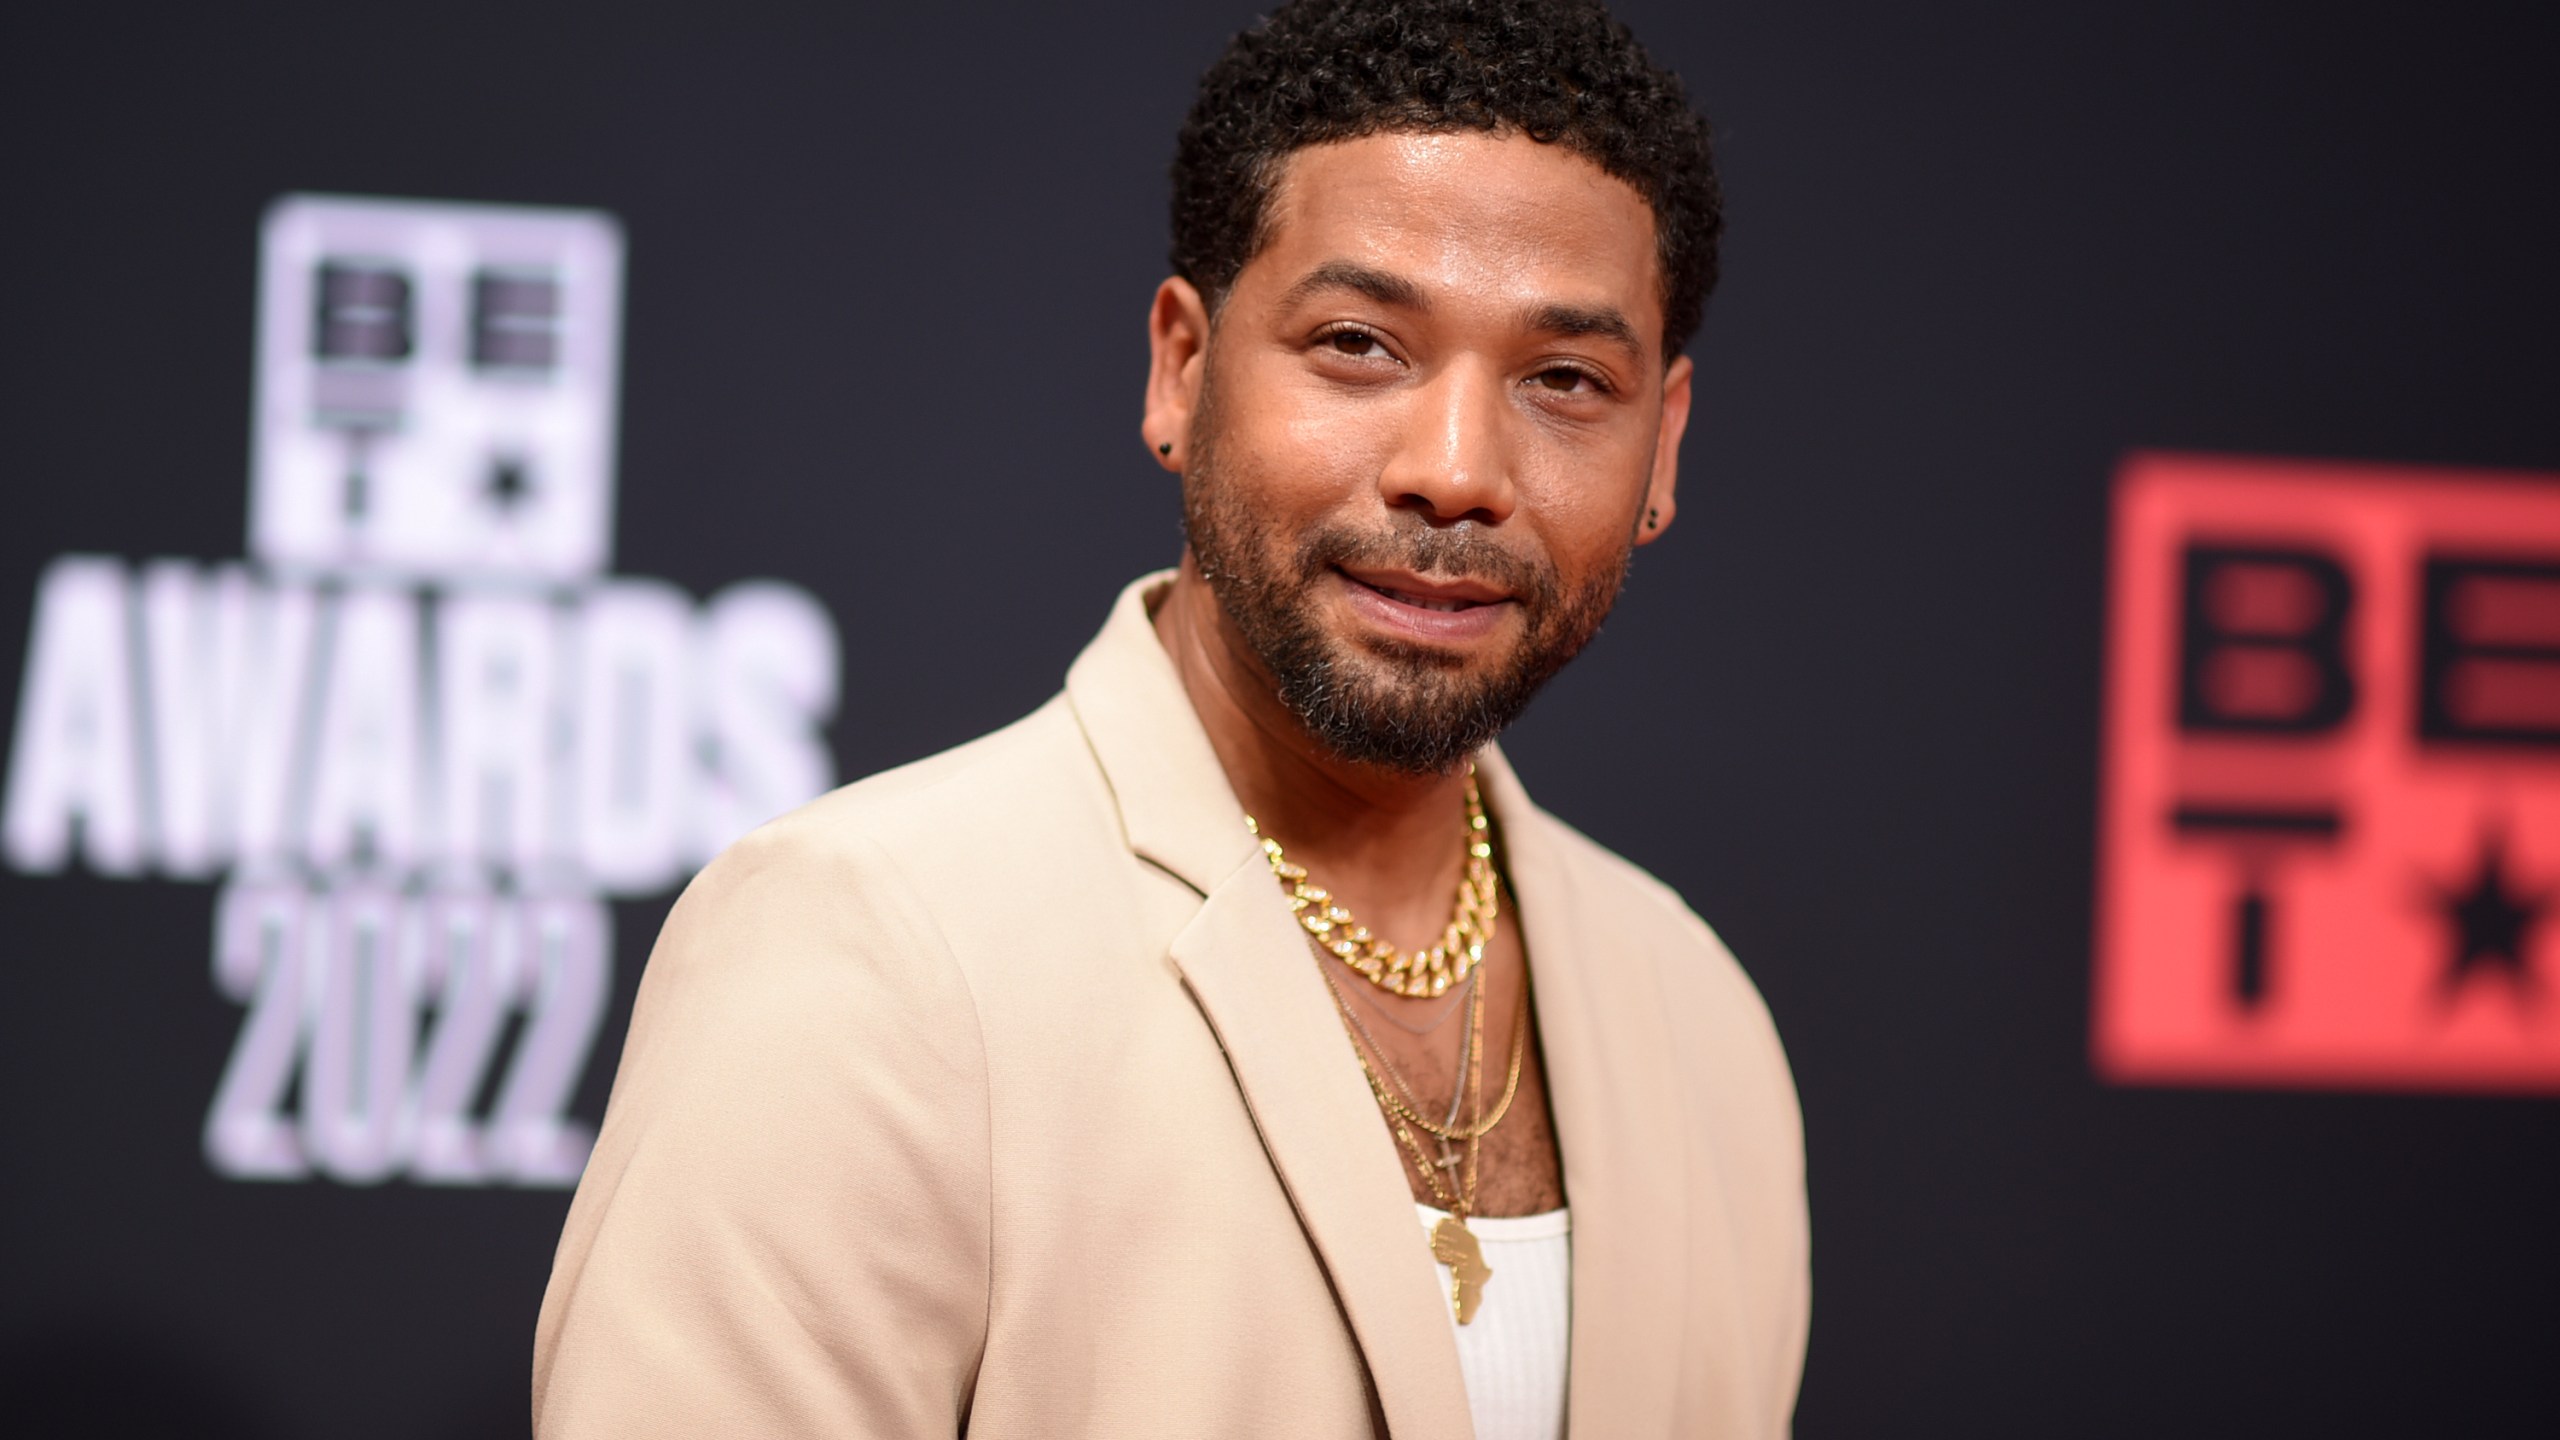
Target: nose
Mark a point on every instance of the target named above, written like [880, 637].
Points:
[1454, 458]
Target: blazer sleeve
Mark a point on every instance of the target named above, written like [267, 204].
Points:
[784, 1228]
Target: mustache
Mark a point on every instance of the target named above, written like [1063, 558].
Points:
[1456, 553]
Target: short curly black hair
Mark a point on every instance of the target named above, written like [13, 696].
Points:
[1563, 72]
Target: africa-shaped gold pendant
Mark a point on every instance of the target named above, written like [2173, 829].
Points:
[1454, 1245]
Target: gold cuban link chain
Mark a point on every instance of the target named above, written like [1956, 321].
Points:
[1430, 972]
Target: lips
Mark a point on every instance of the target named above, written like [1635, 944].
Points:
[1424, 602]
[1420, 609]
[1406, 588]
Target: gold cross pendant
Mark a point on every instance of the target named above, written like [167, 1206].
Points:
[1454, 1245]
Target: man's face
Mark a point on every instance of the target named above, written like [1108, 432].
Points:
[1432, 420]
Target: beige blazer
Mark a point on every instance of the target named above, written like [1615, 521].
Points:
[1000, 1093]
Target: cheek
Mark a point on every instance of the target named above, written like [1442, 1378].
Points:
[1586, 513]
[1309, 451]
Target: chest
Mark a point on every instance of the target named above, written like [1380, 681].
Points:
[1444, 1061]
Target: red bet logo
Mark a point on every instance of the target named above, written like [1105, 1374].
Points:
[2329, 836]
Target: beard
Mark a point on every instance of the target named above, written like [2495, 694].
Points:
[1404, 707]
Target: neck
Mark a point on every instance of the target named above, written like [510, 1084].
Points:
[1386, 843]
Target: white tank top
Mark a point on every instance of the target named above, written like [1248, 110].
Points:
[1514, 1353]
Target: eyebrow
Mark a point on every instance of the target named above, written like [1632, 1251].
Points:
[1601, 322]
[1379, 285]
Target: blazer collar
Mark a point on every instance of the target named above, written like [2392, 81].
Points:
[1175, 804]
[1603, 1037]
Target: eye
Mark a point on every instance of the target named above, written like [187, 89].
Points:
[1569, 379]
[1356, 343]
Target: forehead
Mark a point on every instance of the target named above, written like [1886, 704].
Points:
[1499, 216]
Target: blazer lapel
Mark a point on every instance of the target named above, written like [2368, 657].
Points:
[1610, 1081]
[1256, 983]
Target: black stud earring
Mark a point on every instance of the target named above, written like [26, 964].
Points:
[1165, 449]
[1652, 518]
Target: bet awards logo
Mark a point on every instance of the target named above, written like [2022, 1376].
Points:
[2330, 845]
[419, 734]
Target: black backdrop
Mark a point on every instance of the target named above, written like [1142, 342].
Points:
[887, 275]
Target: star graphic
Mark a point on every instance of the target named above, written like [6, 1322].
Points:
[2490, 921]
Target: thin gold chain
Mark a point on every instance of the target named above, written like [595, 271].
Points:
[1410, 1092]
[1461, 1204]
[1457, 1197]
[1483, 1124]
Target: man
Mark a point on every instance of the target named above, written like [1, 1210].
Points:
[1032, 1090]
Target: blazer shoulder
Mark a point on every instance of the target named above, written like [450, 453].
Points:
[794, 1176]
[1635, 895]
[997, 780]
[1692, 959]
[851, 877]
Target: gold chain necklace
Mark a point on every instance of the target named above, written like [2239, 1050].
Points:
[1402, 1108]
[1405, 1089]
[1378, 961]
[1458, 955]
[1452, 1243]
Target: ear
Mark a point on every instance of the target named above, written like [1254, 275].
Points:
[1178, 355]
[1659, 492]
